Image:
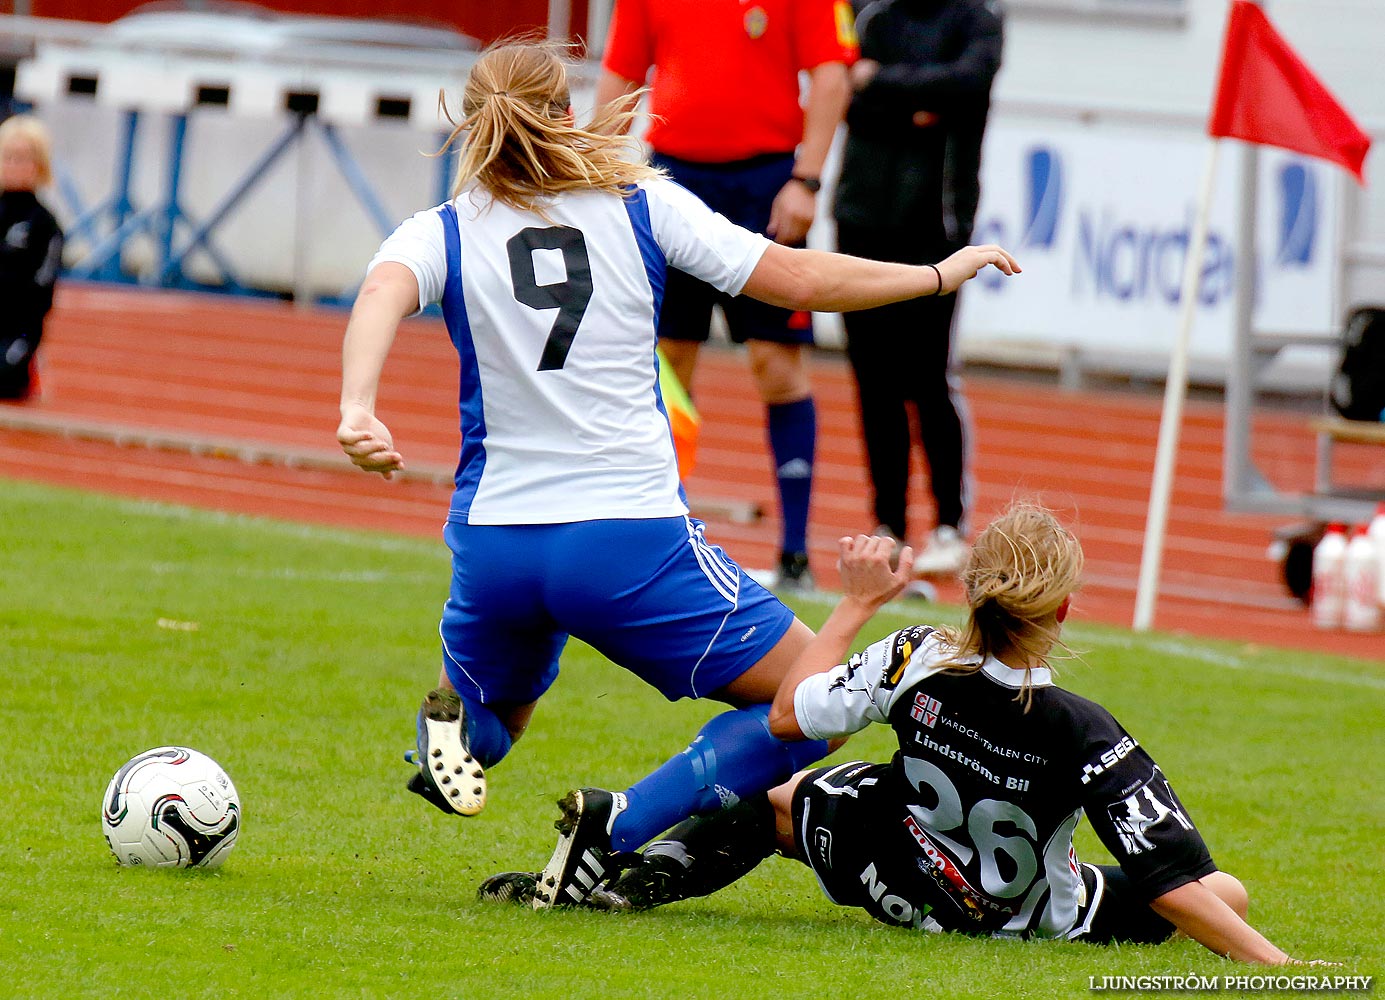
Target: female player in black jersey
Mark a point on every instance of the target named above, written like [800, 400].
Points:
[969, 827]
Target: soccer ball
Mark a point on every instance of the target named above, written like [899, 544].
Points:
[171, 807]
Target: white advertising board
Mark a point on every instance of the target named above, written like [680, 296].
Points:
[1101, 224]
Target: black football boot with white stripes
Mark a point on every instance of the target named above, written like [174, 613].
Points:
[581, 859]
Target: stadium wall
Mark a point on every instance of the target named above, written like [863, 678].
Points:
[483, 21]
[1114, 92]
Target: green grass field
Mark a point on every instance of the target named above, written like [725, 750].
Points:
[296, 657]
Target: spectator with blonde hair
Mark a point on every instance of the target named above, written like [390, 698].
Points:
[31, 247]
[969, 828]
[568, 518]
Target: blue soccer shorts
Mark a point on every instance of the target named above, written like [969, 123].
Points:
[652, 595]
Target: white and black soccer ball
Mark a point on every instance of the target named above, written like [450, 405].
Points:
[171, 807]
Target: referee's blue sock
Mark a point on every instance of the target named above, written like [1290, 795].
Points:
[793, 431]
[733, 757]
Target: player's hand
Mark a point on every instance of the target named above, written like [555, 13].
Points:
[791, 214]
[964, 265]
[367, 442]
[865, 563]
[862, 72]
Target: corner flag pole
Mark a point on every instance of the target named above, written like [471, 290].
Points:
[1171, 419]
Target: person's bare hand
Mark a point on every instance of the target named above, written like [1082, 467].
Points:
[964, 265]
[367, 442]
[863, 72]
[1320, 962]
[791, 215]
[864, 564]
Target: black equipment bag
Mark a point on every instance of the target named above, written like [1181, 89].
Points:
[1358, 388]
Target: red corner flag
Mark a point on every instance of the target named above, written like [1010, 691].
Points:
[1266, 94]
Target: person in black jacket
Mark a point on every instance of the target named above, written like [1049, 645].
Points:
[908, 192]
[31, 247]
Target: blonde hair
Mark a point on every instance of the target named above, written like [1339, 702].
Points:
[517, 137]
[27, 128]
[1022, 568]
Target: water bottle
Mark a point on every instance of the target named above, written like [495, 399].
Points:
[1376, 534]
[1361, 568]
[1329, 581]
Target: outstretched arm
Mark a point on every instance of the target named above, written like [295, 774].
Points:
[868, 583]
[1199, 912]
[820, 281]
[389, 294]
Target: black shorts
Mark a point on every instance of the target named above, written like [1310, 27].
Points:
[841, 832]
[744, 192]
[845, 821]
[1116, 911]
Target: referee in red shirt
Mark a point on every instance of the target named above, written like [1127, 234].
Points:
[727, 123]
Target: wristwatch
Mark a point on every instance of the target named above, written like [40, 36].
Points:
[813, 184]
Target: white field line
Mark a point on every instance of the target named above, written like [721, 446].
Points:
[1301, 671]
[368, 576]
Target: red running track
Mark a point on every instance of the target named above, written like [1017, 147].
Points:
[178, 372]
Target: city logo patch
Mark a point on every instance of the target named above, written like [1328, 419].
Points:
[756, 22]
[1138, 813]
[925, 709]
[845, 18]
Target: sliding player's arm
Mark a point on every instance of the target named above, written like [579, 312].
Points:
[1138, 817]
[867, 583]
[1205, 917]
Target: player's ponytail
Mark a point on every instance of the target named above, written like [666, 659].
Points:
[518, 139]
[1022, 568]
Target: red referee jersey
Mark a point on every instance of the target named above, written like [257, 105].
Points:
[725, 83]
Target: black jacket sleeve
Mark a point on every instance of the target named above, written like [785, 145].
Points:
[31, 249]
[939, 85]
[48, 254]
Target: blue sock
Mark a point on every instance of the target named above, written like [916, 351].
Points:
[793, 431]
[486, 736]
[733, 757]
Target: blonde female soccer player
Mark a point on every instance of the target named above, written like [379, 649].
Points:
[568, 518]
[969, 827]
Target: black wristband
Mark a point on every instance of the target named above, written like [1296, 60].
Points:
[940, 278]
[813, 184]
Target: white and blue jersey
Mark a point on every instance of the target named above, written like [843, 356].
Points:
[568, 517]
[554, 319]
